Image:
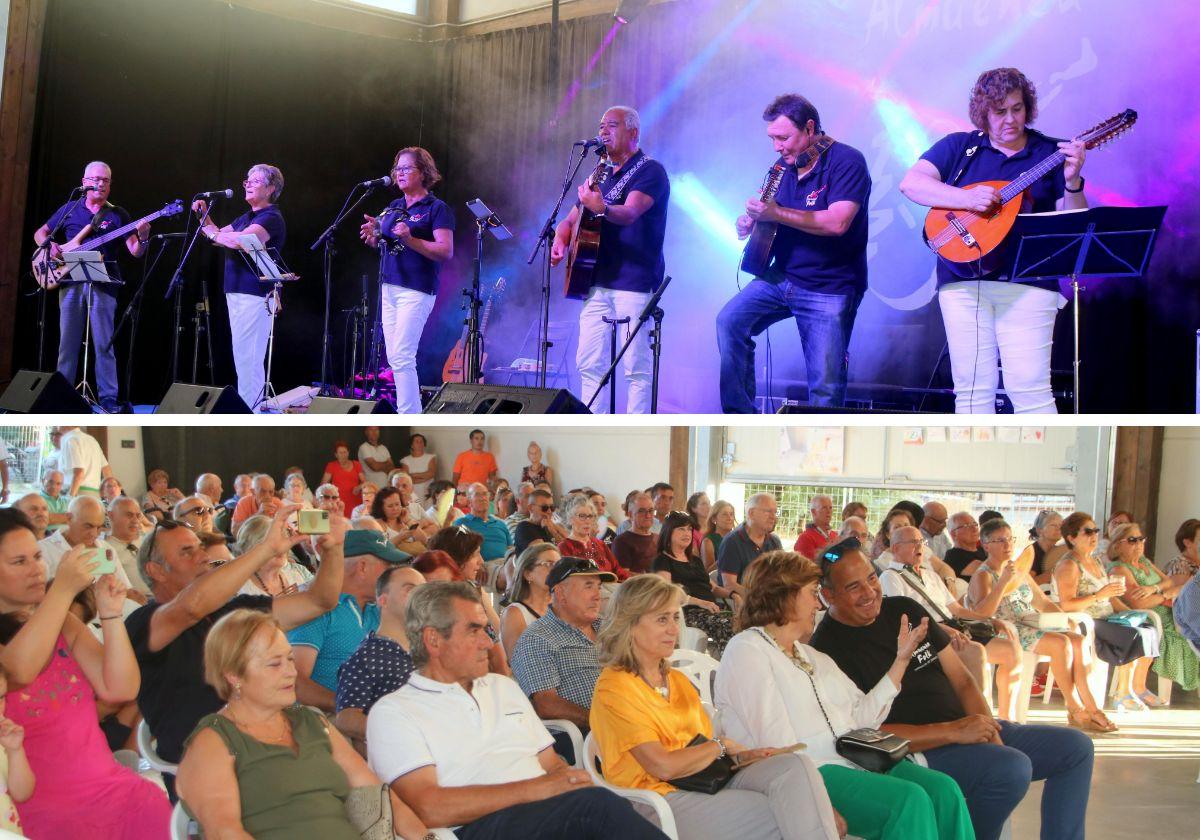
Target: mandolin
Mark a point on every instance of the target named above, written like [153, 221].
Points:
[585, 242]
[49, 271]
[452, 371]
[972, 244]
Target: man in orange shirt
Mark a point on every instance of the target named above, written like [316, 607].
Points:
[262, 499]
[475, 466]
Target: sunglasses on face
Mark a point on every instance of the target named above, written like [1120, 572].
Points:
[837, 552]
[544, 508]
[1135, 540]
[1091, 532]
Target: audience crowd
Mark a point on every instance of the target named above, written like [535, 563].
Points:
[511, 661]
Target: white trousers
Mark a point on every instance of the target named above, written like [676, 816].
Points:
[405, 312]
[593, 357]
[989, 321]
[250, 325]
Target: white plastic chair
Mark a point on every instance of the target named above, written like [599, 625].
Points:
[183, 827]
[571, 731]
[1097, 668]
[693, 638]
[698, 667]
[146, 742]
[654, 801]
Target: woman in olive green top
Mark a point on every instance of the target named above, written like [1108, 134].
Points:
[721, 523]
[263, 767]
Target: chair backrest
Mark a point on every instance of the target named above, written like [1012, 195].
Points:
[693, 638]
[181, 823]
[961, 588]
[592, 759]
[145, 743]
[698, 667]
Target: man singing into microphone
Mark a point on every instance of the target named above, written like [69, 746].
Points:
[632, 202]
[249, 318]
[415, 235]
[74, 216]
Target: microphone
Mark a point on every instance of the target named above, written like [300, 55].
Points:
[588, 144]
[216, 194]
[169, 236]
[87, 189]
[386, 180]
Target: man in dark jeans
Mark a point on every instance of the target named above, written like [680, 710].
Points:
[940, 710]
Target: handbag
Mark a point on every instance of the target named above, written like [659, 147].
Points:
[369, 810]
[872, 749]
[709, 780]
[979, 631]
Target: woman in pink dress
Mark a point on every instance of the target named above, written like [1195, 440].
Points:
[57, 668]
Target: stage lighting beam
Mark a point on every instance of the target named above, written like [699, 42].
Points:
[627, 10]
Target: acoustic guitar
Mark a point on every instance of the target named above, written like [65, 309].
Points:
[756, 256]
[585, 243]
[453, 370]
[972, 244]
[49, 271]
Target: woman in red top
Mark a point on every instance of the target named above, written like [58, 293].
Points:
[581, 518]
[345, 475]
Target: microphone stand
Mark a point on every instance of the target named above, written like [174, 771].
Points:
[325, 240]
[545, 238]
[45, 293]
[175, 287]
[651, 310]
[132, 311]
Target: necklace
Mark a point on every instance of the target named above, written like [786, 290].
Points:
[663, 690]
[794, 656]
[275, 739]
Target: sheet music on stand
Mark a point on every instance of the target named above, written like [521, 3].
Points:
[263, 261]
[87, 267]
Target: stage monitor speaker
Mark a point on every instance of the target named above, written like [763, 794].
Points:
[36, 392]
[469, 398]
[183, 398]
[335, 405]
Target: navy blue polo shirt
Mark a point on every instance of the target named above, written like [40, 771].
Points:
[988, 163]
[408, 268]
[109, 217]
[831, 265]
[239, 277]
[631, 256]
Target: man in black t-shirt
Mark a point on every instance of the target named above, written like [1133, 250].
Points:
[966, 554]
[189, 596]
[632, 202]
[941, 711]
[818, 271]
[540, 525]
[95, 211]
[249, 315]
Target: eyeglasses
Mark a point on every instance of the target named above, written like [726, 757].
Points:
[98, 180]
[965, 525]
[1091, 532]
[585, 516]
[543, 564]
[836, 552]
[911, 542]
[643, 511]
[404, 170]
[1135, 540]
[325, 497]
[1000, 540]
[544, 508]
[254, 182]
[200, 511]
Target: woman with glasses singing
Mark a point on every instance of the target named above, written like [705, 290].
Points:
[414, 235]
[1146, 588]
[245, 294]
[1002, 590]
[1123, 638]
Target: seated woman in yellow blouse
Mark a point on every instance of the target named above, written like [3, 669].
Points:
[644, 714]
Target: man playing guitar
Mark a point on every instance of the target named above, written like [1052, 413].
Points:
[93, 212]
[818, 273]
[632, 204]
[987, 318]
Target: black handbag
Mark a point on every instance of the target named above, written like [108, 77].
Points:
[872, 749]
[979, 631]
[709, 780]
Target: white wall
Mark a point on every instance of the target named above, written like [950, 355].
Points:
[473, 10]
[613, 461]
[129, 464]
[4, 4]
[1178, 488]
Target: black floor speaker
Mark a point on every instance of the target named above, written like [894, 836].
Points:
[182, 398]
[469, 398]
[36, 392]
[335, 405]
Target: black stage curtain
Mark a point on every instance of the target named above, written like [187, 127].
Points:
[185, 452]
[183, 96]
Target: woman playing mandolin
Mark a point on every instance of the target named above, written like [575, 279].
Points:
[417, 235]
[988, 319]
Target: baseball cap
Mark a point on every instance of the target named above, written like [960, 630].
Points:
[376, 544]
[571, 566]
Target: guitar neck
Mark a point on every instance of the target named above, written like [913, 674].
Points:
[1027, 179]
[104, 239]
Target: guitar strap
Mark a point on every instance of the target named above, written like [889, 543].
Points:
[968, 156]
[821, 147]
[618, 189]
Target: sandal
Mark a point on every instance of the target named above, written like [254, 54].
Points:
[1149, 699]
[1101, 720]
[1083, 719]
[1129, 703]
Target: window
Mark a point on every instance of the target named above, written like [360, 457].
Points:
[1019, 509]
[28, 448]
[399, 7]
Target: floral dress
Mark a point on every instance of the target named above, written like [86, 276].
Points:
[81, 791]
[1177, 662]
[9, 821]
[1014, 607]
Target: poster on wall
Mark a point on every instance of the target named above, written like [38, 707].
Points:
[813, 450]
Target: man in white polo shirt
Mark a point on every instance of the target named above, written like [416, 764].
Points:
[85, 522]
[82, 462]
[909, 574]
[464, 747]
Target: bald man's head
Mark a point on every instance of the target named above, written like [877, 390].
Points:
[86, 520]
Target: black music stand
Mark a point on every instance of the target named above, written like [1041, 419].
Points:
[485, 219]
[266, 263]
[86, 268]
[1081, 244]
